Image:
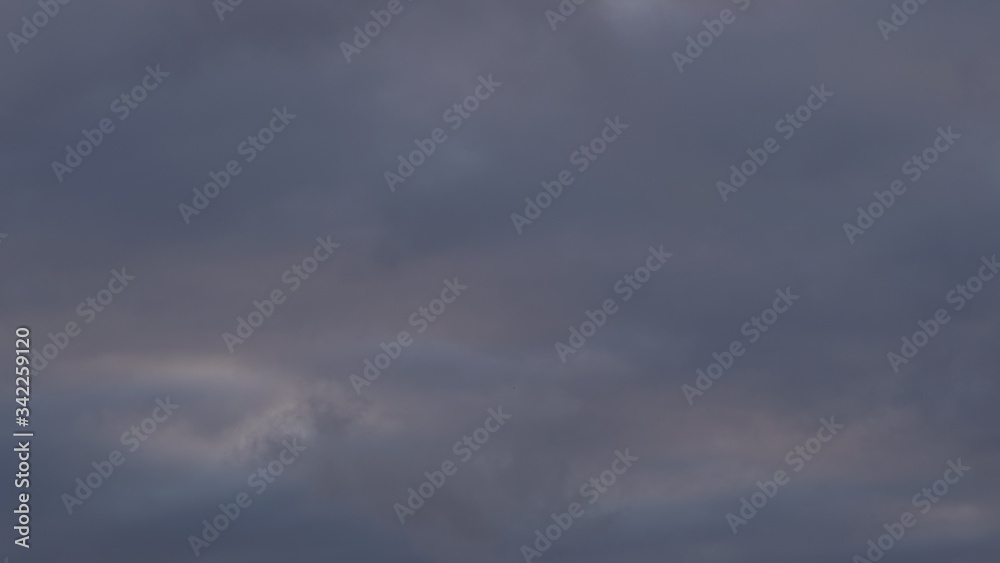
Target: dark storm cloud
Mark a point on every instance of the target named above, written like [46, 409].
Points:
[323, 176]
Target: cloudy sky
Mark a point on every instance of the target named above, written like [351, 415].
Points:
[324, 249]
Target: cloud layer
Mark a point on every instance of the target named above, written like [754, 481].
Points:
[532, 279]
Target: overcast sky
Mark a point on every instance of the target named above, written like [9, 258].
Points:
[713, 155]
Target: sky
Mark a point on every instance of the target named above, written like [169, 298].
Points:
[437, 282]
